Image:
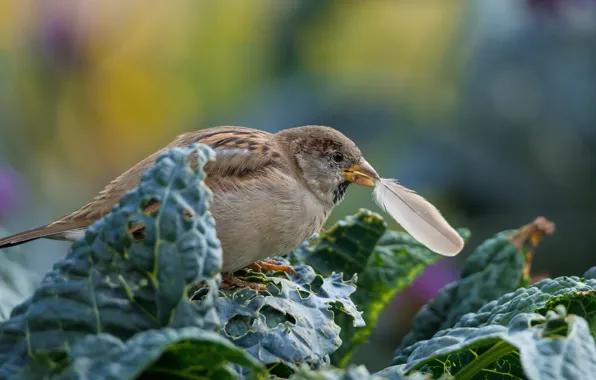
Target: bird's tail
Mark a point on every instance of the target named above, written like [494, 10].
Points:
[50, 231]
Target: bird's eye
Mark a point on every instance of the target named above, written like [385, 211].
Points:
[337, 157]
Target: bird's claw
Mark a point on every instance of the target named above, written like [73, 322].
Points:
[272, 265]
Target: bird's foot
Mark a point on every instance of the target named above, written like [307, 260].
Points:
[229, 280]
[272, 265]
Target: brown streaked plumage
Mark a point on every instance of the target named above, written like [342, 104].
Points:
[271, 191]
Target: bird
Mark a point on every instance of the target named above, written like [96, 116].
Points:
[271, 192]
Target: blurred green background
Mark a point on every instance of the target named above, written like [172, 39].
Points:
[487, 107]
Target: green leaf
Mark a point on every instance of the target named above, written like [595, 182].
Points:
[385, 261]
[344, 247]
[185, 353]
[113, 284]
[498, 266]
[397, 260]
[531, 346]
[292, 322]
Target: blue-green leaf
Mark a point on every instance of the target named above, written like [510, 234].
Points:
[185, 353]
[109, 283]
[292, 322]
[531, 346]
[578, 295]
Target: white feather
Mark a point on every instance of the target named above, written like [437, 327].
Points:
[418, 217]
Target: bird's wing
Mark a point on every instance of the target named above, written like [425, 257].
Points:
[240, 154]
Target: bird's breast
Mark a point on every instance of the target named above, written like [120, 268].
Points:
[265, 219]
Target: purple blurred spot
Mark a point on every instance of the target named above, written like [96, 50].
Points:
[60, 41]
[435, 276]
[546, 5]
[10, 191]
[555, 6]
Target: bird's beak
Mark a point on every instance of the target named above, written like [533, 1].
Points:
[362, 174]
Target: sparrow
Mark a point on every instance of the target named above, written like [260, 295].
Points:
[271, 192]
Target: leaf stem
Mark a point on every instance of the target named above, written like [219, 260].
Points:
[493, 354]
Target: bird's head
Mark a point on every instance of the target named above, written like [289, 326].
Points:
[327, 160]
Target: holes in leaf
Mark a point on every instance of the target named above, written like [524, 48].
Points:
[199, 290]
[303, 294]
[136, 229]
[316, 284]
[138, 234]
[274, 317]
[239, 325]
[273, 289]
[188, 214]
[149, 206]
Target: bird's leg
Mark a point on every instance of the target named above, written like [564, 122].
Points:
[229, 280]
[272, 265]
